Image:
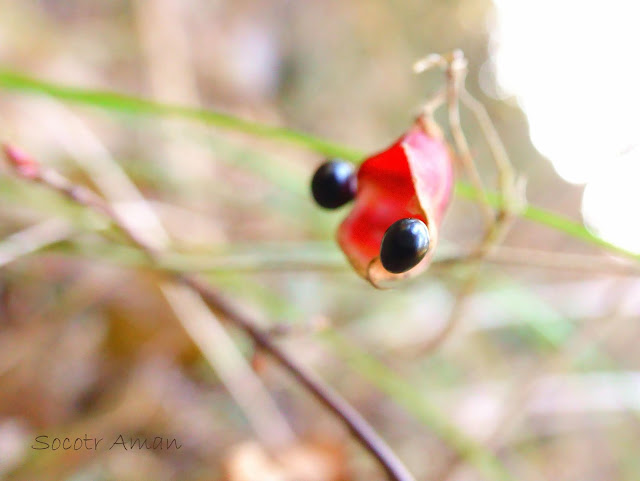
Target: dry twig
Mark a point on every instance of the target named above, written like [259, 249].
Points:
[27, 168]
[454, 65]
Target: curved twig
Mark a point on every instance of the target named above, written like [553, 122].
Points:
[27, 168]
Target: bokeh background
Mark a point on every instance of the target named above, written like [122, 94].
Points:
[542, 371]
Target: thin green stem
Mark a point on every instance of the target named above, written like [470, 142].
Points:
[135, 105]
[550, 219]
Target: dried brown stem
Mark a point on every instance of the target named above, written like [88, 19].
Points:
[506, 176]
[27, 168]
[454, 65]
[486, 248]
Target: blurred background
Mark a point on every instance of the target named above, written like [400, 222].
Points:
[540, 376]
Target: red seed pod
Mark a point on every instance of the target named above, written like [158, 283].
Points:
[412, 178]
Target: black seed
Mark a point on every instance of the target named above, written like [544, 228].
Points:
[404, 245]
[334, 184]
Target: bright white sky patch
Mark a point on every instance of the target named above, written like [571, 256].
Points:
[610, 203]
[574, 68]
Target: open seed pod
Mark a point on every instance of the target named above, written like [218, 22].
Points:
[412, 178]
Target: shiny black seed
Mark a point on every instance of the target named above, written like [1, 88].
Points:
[404, 245]
[334, 184]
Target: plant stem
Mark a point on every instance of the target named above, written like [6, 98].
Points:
[28, 169]
[135, 105]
